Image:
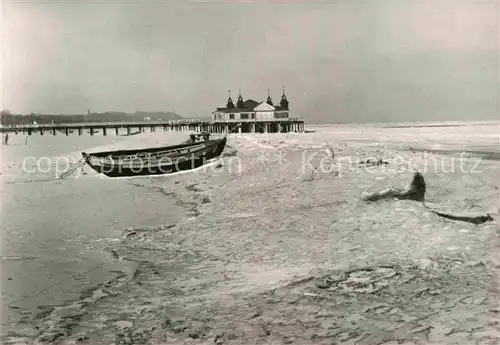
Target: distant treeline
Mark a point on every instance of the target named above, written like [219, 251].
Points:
[8, 118]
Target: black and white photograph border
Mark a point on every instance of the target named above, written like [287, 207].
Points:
[350, 193]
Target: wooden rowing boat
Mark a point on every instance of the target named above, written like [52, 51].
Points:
[155, 161]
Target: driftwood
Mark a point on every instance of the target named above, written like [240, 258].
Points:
[416, 191]
[473, 219]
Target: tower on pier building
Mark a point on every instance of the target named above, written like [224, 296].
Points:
[253, 110]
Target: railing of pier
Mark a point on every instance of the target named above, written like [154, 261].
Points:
[144, 123]
[289, 119]
[108, 124]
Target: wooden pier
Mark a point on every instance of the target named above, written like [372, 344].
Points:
[129, 128]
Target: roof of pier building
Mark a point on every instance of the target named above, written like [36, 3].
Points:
[249, 105]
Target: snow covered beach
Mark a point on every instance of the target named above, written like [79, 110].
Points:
[276, 246]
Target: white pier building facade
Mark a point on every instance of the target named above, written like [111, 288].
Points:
[253, 116]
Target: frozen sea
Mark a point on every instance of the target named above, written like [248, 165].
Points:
[189, 258]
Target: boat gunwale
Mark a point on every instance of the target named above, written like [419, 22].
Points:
[151, 160]
[133, 152]
[143, 168]
[159, 155]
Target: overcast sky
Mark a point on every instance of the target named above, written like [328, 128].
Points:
[339, 61]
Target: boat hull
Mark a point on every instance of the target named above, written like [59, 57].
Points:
[164, 162]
